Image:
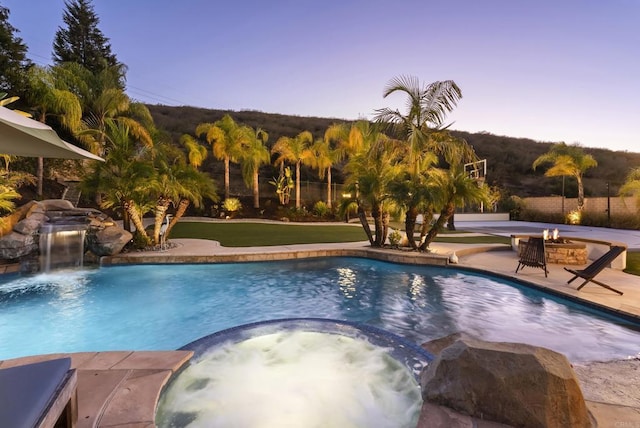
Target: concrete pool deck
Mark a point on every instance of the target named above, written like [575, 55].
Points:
[120, 389]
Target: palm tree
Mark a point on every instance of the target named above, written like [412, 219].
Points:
[47, 100]
[195, 187]
[227, 139]
[631, 186]
[427, 107]
[370, 171]
[196, 152]
[452, 187]
[422, 126]
[254, 155]
[328, 151]
[124, 177]
[295, 150]
[567, 161]
[102, 98]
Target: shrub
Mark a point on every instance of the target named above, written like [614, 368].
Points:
[394, 238]
[541, 217]
[232, 205]
[321, 209]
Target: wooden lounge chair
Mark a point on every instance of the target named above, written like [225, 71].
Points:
[39, 395]
[533, 255]
[589, 273]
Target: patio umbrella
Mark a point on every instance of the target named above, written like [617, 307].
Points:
[22, 136]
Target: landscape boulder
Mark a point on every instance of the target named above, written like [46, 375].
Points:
[107, 240]
[509, 383]
[15, 245]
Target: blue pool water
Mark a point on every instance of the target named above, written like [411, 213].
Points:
[160, 307]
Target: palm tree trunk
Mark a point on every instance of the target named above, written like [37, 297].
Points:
[376, 213]
[427, 216]
[298, 185]
[580, 193]
[450, 224]
[226, 177]
[410, 226]
[182, 208]
[446, 212]
[385, 227]
[365, 224]
[126, 220]
[40, 174]
[256, 190]
[329, 187]
[134, 214]
[161, 211]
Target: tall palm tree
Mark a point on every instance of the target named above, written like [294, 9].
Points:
[47, 100]
[326, 152]
[421, 126]
[295, 150]
[227, 139]
[567, 161]
[254, 155]
[427, 107]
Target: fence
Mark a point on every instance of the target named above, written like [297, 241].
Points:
[310, 191]
[558, 204]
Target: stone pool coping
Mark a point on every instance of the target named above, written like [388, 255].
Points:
[118, 389]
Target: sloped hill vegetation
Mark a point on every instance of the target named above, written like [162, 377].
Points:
[509, 159]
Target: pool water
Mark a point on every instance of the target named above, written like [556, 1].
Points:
[160, 307]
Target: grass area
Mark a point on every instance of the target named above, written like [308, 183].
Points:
[633, 263]
[264, 234]
[485, 239]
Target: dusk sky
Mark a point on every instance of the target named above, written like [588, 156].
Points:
[550, 70]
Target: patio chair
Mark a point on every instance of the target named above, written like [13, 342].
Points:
[589, 273]
[39, 395]
[533, 255]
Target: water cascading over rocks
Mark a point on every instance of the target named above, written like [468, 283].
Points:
[29, 231]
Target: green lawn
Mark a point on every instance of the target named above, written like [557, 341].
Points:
[262, 234]
[259, 234]
[633, 262]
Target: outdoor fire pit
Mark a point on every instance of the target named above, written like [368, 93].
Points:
[562, 251]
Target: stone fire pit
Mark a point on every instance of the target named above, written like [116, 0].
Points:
[561, 251]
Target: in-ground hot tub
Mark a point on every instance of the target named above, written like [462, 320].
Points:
[297, 372]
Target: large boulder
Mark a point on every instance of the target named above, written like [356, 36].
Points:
[15, 245]
[107, 240]
[510, 383]
[57, 205]
[30, 225]
[8, 222]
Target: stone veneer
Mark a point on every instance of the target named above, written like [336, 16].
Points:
[395, 257]
[569, 253]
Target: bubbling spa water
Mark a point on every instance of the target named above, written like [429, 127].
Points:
[288, 373]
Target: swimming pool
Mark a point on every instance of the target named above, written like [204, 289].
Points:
[160, 307]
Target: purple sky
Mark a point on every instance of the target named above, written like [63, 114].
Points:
[548, 70]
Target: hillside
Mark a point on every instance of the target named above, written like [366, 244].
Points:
[509, 159]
